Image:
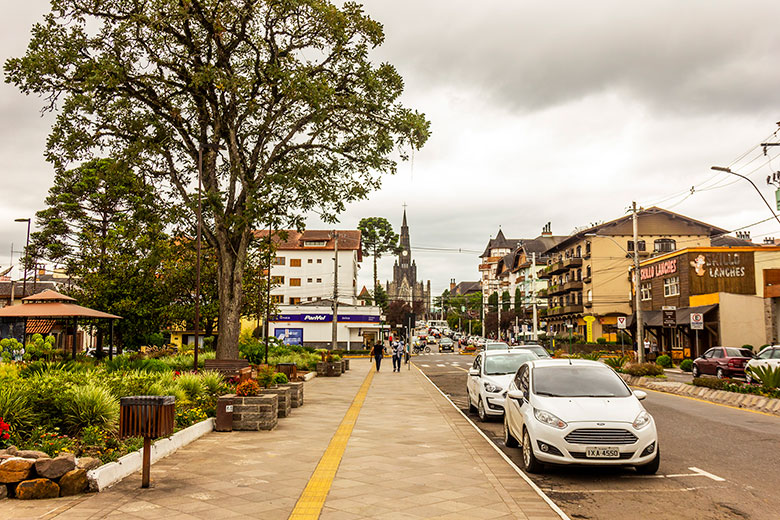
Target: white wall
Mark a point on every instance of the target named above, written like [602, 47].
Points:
[321, 275]
[742, 320]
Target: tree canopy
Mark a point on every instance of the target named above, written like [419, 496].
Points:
[279, 97]
[378, 238]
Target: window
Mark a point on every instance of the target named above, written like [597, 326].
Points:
[717, 353]
[277, 298]
[590, 296]
[665, 245]
[319, 260]
[309, 260]
[319, 280]
[315, 243]
[295, 301]
[646, 291]
[579, 275]
[521, 380]
[295, 282]
[640, 243]
[587, 272]
[295, 262]
[309, 280]
[579, 251]
[671, 286]
[278, 260]
[277, 280]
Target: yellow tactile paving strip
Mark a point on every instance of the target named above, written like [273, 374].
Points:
[311, 501]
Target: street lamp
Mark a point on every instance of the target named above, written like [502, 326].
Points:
[213, 147]
[728, 170]
[26, 252]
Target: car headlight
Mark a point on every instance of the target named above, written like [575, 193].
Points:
[642, 420]
[490, 387]
[549, 419]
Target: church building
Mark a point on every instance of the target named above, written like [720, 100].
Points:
[405, 286]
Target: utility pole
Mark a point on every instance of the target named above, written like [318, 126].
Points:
[498, 321]
[334, 341]
[640, 329]
[533, 295]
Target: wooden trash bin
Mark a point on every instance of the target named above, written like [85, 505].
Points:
[224, 422]
[288, 369]
[147, 416]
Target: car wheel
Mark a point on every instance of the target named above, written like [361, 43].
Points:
[472, 408]
[530, 463]
[695, 371]
[719, 373]
[651, 467]
[427, 350]
[481, 410]
[509, 439]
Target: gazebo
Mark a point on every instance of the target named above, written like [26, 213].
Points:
[39, 312]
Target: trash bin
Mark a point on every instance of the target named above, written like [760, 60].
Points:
[288, 369]
[147, 416]
[224, 422]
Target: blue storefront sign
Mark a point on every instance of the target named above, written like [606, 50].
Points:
[323, 318]
[289, 336]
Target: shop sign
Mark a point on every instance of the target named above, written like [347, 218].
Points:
[325, 318]
[722, 272]
[697, 321]
[669, 318]
[289, 336]
[660, 269]
[589, 327]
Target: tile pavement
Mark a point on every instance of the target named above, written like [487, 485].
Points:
[411, 456]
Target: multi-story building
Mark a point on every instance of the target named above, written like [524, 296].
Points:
[303, 269]
[496, 249]
[588, 272]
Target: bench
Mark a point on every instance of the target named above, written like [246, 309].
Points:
[230, 367]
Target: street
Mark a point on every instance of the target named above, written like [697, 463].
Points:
[717, 462]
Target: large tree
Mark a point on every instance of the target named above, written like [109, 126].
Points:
[279, 96]
[377, 237]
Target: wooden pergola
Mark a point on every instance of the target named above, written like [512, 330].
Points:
[51, 306]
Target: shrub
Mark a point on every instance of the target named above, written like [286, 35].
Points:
[769, 376]
[16, 408]
[90, 405]
[616, 362]
[280, 379]
[50, 442]
[191, 384]
[168, 389]
[189, 416]
[664, 360]
[601, 341]
[213, 382]
[686, 365]
[643, 369]
[709, 382]
[593, 356]
[749, 347]
[265, 376]
[5, 433]
[248, 388]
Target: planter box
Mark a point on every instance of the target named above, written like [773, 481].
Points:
[346, 363]
[343, 366]
[329, 369]
[259, 412]
[296, 393]
[284, 393]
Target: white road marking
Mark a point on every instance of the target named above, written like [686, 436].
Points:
[707, 474]
[565, 491]
[423, 365]
[441, 365]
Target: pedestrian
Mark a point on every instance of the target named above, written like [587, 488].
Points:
[398, 352]
[377, 351]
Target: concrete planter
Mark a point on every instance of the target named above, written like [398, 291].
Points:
[345, 361]
[284, 394]
[253, 413]
[296, 393]
[332, 369]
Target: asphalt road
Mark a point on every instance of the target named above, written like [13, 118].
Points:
[716, 462]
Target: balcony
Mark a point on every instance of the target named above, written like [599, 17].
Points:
[555, 289]
[484, 267]
[572, 286]
[572, 309]
[586, 279]
[588, 305]
[573, 261]
[542, 293]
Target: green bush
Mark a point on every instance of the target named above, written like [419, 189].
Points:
[616, 362]
[213, 382]
[601, 341]
[643, 369]
[191, 384]
[686, 365]
[709, 382]
[280, 379]
[265, 377]
[664, 360]
[90, 405]
[593, 356]
[16, 408]
[749, 347]
[769, 376]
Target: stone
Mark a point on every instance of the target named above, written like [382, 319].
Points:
[56, 467]
[32, 454]
[37, 488]
[3, 491]
[73, 482]
[88, 463]
[15, 470]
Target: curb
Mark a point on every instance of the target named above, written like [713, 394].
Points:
[109, 474]
[309, 376]
[750, 402]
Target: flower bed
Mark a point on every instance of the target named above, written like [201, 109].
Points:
[733, 385]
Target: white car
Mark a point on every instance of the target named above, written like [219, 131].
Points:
[489, 378]
[768, 357]
[578, 412]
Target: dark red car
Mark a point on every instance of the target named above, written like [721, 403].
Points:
[722, 362]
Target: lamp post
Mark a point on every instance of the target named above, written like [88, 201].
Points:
[26, 252]
[728, 170]
[213, 147]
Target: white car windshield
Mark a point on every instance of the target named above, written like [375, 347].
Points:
[578, 381]
[536, 349]
[500, 364]
[496, 346]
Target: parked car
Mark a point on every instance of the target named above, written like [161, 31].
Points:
[768, 357]
[539, 350]
[496, 345]
[446, 344]
[575, 411]
[722, 362]
[489, 378]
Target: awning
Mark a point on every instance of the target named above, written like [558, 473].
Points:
[53, 310]
[683, 316]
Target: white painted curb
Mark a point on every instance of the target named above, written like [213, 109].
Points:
[109, 474]
[308, 376]
[530, 482]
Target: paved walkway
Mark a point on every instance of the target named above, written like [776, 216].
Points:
[406, 453]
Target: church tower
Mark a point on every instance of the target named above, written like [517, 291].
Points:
[405, 286]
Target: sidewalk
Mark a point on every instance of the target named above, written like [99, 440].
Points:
[410, 455]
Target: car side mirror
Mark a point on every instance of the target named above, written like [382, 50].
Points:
[639, 394]
[473, 372]
[516, 394]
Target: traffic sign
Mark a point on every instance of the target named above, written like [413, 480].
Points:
[669, 318]
[621, 322]
[697, 321]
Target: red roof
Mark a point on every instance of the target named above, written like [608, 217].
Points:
[349, 239]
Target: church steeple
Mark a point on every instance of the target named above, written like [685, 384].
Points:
[405, 250]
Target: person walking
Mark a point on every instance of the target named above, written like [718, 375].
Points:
[378, 351]
[398, 352]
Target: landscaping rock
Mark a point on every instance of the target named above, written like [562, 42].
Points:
[88, 463]
[73, 482]
[37, 488]
[57, 467]
[32, 454]
[15, 470]
[3, 491]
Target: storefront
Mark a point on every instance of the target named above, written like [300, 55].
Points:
[358, 326]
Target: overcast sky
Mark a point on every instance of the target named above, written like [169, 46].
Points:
[540, 111]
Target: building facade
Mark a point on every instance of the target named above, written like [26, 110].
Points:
[496, 249]
[358, 326]
[404, 286]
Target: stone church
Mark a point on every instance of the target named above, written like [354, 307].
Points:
[405, 286]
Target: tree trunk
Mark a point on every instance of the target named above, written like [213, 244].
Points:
[374, 292]
[231, 262]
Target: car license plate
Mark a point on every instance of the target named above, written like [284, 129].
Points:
[602, 452]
